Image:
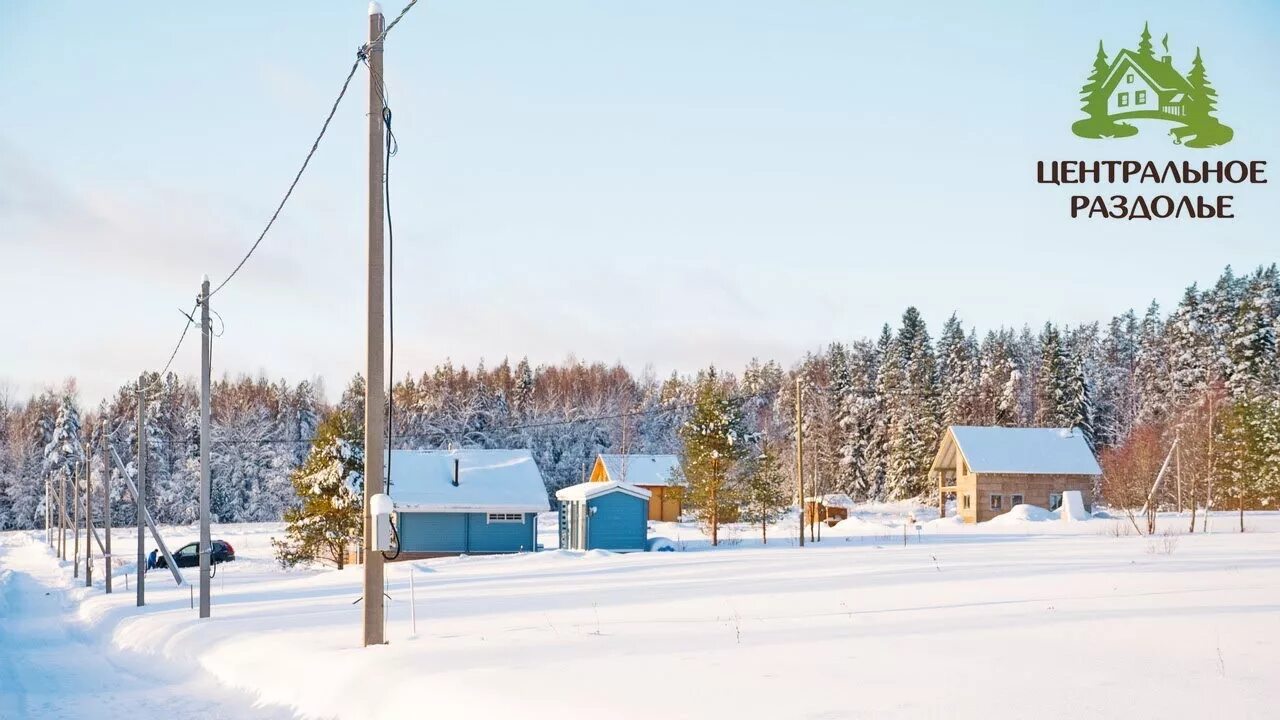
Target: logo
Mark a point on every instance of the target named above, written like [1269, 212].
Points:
[1135, 84]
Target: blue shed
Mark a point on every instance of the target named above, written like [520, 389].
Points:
[466, 501]
[605, 516]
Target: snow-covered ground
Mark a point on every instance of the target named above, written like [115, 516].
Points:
[1009, 619]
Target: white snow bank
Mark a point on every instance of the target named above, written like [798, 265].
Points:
[1073, 507]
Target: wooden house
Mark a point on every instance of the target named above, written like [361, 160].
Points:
[830, 508]
[658, 474]
[604, 516]
[991, 469]
[466, 501]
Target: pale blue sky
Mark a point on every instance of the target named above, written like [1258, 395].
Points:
[666, 183]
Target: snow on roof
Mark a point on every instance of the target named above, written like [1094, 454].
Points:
[588, 490]
[641, 469]
[833, 500]
[1039, 451]
[488, 481]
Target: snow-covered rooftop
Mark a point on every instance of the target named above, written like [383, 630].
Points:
[1031, 451]
[641, 469]
[488, 481]
[588, 490]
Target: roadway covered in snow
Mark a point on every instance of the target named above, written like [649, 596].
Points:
[53, 666]
[1027, 616]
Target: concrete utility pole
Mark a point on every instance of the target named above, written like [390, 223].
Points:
[374, 633]
[88, 512]
[800, 454]
[75, 526]
[48, 512]
[106, 507]
[206, 359]
[62, 513]
[142, 493]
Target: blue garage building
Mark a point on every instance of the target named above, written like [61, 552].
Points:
[604, 515]
[451, 502]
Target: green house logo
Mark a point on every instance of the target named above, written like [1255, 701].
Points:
[1137, 84]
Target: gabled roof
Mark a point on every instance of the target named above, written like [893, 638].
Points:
[488, 481]
[588, 490]
[653, 470]
[1022, 451]
[1162, 75]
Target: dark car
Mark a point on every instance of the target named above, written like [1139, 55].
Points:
[188, 555]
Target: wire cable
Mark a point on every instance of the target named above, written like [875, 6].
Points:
[392, 149]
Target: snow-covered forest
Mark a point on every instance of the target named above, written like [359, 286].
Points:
[873, 408]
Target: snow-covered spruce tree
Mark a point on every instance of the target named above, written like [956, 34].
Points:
[714, 439]
[1054, 381]
[910, 384]
[329, 485]
[958, 374]
[764, 487]
[858, 458]
[1151, 370]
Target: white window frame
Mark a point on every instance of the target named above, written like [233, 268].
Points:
[996, 502]
[499, 518]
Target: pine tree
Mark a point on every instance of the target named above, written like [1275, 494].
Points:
[330, 485]
[714, 439]
[1095, 102]
[1144, 43]
[1206, 98]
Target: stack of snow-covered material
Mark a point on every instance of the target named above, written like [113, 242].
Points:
[463, 481]
[1014, 451]
[1072, 509]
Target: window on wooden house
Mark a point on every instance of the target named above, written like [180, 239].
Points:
[1122, 99]
[1055, 500]
[1015, 500]
[506, 517]
[997, 501]
[967, 502]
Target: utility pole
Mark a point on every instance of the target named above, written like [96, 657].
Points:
[206, 360]
[75, 525]
[48, 512]
[374, 632]
[1177, 464]
[106, 507]
[62, 513]
[88, 511]
[142, 493]
[800, 454]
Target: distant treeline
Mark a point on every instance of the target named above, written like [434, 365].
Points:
[874, 409]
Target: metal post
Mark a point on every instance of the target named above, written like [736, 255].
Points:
[206, 359]
[800, 453]
[141, 494]
[106, 508]
[373, 405]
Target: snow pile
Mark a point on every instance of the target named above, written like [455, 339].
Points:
[1073, 507]
[1024, 513]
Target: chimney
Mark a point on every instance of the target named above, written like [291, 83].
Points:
[456, 462]
[1167, 59]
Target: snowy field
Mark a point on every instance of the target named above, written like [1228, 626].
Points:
[1007, 619]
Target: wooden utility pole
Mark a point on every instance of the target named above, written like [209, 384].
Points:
[800, 453]
[206, 359]
[106, 507]
[48, 512]
[142, 493]
[374, 633]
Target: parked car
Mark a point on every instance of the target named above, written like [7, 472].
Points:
[189, 556]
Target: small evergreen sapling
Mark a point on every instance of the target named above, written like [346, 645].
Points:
[329, 487]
